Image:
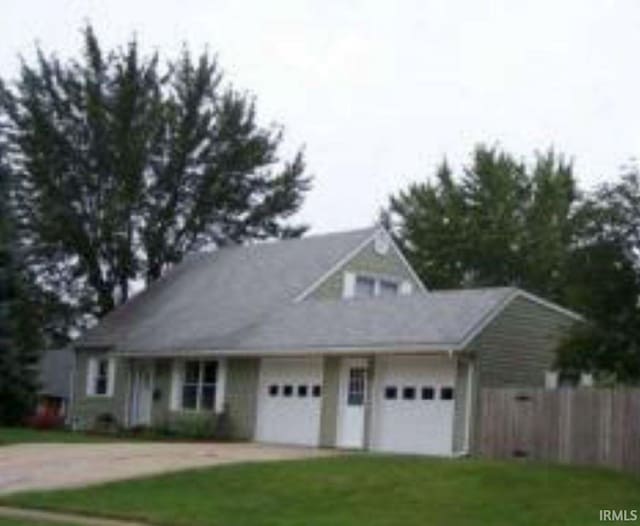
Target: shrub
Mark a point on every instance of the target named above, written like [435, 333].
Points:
[105, 423]
[45, 421]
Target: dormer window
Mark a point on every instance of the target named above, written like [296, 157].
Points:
[388, 288]
[365, 285]
[370, 286]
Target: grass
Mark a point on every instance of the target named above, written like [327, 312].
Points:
[21, 435]
[356, 490]
[20, 522]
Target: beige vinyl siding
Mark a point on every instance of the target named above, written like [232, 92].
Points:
[516, 348]
[329, 411]
[85, 409]
[460, 408]
[241, 396]
[366, 261]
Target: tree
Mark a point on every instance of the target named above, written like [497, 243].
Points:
[122, 166]
[19, 331]
[499, 223]
[605, 282]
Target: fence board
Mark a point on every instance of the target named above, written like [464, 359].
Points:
[574, 426]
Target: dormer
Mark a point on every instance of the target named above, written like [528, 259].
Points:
[375, 268]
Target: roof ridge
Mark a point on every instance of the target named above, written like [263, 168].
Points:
[276, 241]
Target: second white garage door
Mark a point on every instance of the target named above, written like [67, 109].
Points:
[413, 399]
[289, 401]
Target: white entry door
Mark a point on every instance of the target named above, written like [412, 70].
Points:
[141, 394]
[351, 407]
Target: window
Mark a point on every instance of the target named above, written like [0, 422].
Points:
[372, 286]
[365, 287]
[409, 393]
[287, 390]
[355, 388]
[199, 385]
[273, 390]
[428, 393]
[302, 391]
[100, 378]
[391, 392]
[317, 391]
[388, 288]
[446, 393]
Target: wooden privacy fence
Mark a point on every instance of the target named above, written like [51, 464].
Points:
[577, 426]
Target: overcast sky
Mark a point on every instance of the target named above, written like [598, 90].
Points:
[380, 91]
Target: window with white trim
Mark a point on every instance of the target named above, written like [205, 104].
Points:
[100, 378]
[370, 286]
[199, 385]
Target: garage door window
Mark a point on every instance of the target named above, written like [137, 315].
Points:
[428, 393]
[446, 393]
[317, 391]
[302, 391]
[287, 390]
[274, 390]
[391, 392]
[199, 385]
[409, 393]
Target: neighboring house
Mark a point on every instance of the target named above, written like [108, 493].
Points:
[54, 393]
[329, 340]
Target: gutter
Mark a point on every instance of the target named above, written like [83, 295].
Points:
[300, 351]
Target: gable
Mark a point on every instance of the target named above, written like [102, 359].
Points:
[519, 344]
[366, 261]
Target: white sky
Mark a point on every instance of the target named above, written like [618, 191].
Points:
[380, 91]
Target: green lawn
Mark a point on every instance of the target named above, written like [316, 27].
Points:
[358, 490]
[16, 522]
[19, 435]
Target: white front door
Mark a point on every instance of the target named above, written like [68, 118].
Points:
[141, 394]
[351, 406]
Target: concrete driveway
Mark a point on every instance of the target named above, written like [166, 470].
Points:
[48, 466]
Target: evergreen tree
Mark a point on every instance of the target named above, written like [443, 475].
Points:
[19, 329]
[123, 165]
[497, 224]
[605, 282]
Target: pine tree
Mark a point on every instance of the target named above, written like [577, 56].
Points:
[19, 328]
[498, 223]
[124, 165]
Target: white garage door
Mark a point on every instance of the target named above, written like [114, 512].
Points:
[289, 401]
[413, 404]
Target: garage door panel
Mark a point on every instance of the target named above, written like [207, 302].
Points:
[413, 425]
[288, 403]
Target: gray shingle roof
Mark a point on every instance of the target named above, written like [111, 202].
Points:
[212, 298]
[242, 299]
[438, 320]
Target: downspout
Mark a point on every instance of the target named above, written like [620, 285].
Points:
[469, 402]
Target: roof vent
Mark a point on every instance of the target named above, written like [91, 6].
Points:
[381, 243]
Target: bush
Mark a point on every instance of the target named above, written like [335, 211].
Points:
[44, 421]
[105, 423]
[194, 426]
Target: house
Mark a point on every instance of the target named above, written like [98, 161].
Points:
[54, 392]
[329, 340]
